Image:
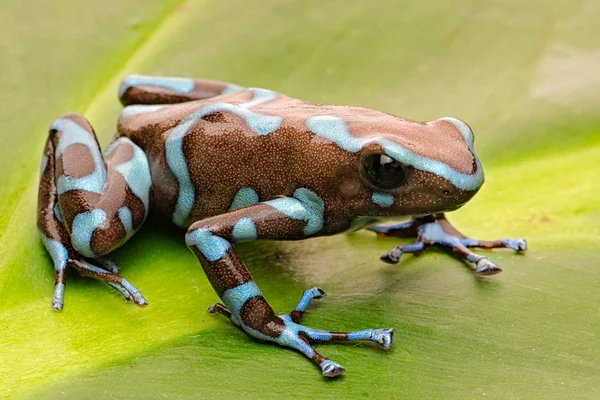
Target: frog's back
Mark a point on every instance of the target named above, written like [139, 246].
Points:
[210, 156]
[227, 152]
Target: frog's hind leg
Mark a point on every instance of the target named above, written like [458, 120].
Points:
[436, 230]
[148, 90]
[90, 204]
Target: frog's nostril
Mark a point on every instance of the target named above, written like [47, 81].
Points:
[447, 192]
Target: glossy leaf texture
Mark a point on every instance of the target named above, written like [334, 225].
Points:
[523, 74]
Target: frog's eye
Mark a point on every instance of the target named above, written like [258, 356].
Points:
[383, 172]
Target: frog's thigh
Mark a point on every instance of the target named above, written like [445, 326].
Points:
[103, 199]
[144, 89]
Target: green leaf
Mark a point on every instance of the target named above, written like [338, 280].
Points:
[523, 74]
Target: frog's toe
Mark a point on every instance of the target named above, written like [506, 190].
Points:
[393, 256]
[58, 300]
[383, 337]
[135, 294]
[107, 264]
[121, 290]
[331, 369]
[219, 308]
[122, 285]
[518, 245]
[485, 267]
[317, 293]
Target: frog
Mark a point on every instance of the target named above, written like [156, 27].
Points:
[231, 164]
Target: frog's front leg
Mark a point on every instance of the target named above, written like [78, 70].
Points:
[90, 203]
[436, 230]
[296, 217]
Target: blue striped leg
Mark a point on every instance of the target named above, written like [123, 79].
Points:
[212, 240]
[78, 217]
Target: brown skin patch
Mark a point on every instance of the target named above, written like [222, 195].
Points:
[107, 236]
[258, 315]
[76, 161]
[74, 202]
[226, 273]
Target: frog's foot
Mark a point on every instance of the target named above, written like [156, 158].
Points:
[436, 230]
[301, 338]
[108, 274]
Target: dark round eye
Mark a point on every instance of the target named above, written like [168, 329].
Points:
[383, 172]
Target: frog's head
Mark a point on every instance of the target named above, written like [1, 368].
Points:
[407, 167]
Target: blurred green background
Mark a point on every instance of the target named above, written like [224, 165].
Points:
[525, 75]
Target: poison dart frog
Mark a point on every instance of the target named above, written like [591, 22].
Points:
[233, 164]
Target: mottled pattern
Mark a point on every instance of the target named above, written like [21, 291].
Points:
[234, 164]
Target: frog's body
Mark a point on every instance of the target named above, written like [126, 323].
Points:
[233, 164]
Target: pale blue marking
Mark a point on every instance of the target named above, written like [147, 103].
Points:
[136, 172]
[335, 129]
[232, 88]
[235, 298]
[360, 335]
[307, 297]
[244, 197]
[178, 164]
[213, 247]
[310, 198]
[244, 229]
[44, 164]
[183, 85]
[434, 232]
[260, 124]
[91, 183]
[382, 199]
[59, 295]
[57, 251]
[306, 205]
[127, 220]
[72, 133]
[57, 213]
[314, 334]
[289, 338]
[140, 109]
[84, 225]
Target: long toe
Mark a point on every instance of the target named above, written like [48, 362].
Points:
[139, 299]
[121, 290]
[383, 337]
[518, 245]
[486, 267]
[318, 293]
[332, 369]
[393, 257]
